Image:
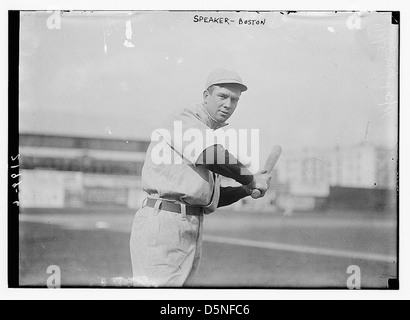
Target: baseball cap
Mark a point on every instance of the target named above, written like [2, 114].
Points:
[223, 76]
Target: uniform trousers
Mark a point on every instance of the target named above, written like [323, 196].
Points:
[166, 247]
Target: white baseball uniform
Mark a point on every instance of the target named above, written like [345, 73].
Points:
[166, 245]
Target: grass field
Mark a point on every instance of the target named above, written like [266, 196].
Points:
[311, 250]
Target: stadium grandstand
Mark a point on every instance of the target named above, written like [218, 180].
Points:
[65, 171]
[91, 155]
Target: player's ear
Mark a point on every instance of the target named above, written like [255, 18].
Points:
[206, 94]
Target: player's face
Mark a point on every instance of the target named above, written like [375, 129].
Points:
[222, 101]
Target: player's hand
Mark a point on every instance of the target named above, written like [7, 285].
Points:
[261, 181]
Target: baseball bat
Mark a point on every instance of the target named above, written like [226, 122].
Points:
[269, 165]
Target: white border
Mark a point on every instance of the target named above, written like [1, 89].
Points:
[209, 294]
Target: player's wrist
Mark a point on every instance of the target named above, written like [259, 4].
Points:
[252, 185]
[247, 190]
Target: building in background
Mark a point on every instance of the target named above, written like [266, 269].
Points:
[360, 166]
[320, 174]
[62, 171]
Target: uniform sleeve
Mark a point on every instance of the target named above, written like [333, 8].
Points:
[220, 161]
[230, 195]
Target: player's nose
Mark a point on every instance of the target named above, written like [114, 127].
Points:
[228, 103]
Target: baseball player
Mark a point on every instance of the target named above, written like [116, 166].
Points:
[166, 238]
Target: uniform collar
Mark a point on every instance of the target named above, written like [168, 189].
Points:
[204, 115]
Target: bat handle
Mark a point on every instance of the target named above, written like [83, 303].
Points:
[256, 193]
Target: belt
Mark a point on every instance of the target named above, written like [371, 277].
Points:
[174, 207]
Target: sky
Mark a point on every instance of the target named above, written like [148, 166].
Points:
[315, 80]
